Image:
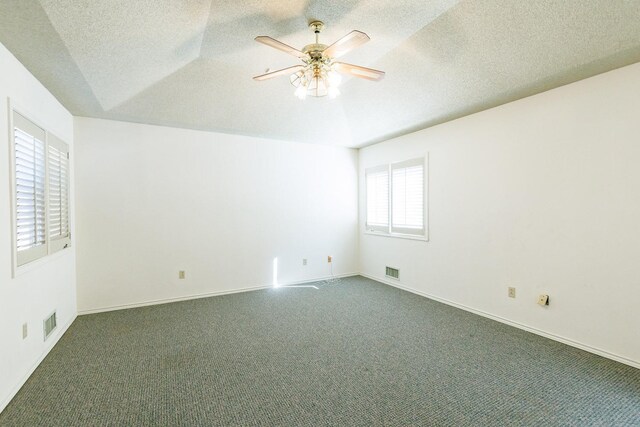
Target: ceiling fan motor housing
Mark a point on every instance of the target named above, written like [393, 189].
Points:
[314, 50]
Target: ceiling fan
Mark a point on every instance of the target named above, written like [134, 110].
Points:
[319, 74]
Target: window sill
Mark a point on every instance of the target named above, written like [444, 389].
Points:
[397, 236]
[24, 269]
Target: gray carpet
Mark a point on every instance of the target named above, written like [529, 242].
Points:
[353, 353]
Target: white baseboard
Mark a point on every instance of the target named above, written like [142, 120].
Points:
[585, 347]
[204, 295]
[53, 341]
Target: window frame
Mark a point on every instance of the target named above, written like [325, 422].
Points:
[21, 263]
[390, 230]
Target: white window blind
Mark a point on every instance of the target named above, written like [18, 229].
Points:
[377, 199]
[30, 173]
[58, 174]
[407, 197]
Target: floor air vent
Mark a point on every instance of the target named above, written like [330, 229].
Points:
[394, 273]
[49, 325]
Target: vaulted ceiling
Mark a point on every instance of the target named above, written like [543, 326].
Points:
[189, 63]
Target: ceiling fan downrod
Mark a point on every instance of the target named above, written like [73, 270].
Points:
[316, 27]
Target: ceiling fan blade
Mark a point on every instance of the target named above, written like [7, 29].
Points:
[280, 46]
[351, 41]
[287, 71]
[358, 71]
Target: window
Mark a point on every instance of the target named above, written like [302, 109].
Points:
[396, 198]
[407, 197]
[41, 192]
[378, 198]
[58, 156]
[30, 175]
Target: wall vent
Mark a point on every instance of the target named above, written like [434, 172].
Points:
[394, 273]
[49, 325]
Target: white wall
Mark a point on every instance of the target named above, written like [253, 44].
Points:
[156, 200]
[542, 194]
[46, 284]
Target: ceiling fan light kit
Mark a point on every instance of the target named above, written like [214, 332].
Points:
[320, 74]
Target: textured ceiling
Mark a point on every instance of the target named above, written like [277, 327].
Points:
[189, 63]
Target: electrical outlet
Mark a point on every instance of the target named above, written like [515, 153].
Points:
[543, 299]
[181, 274]
[512, 292]
[304, 261]
[329, 258]
[25, 330]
